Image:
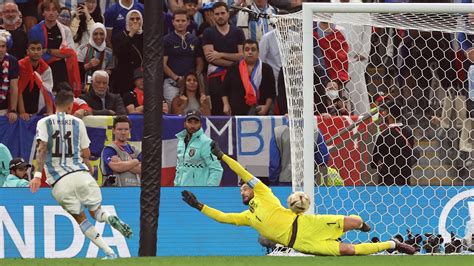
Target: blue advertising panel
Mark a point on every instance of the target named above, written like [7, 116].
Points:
[34, 226]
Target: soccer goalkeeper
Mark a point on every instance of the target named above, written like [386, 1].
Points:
[307, 233]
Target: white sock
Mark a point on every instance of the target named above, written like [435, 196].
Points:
[89, 230]
[393, 244]
[101, 215]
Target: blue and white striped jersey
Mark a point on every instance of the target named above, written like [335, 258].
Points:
[66, 136]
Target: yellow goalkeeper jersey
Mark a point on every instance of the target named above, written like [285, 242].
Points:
[265, 214]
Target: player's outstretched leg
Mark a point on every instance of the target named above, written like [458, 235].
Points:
[103, 216]
[372, 248]
[355, 222]
[90, 232]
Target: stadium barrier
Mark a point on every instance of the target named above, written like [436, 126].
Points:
[245, 138]
[34, 226]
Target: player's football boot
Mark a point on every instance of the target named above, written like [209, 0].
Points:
[122, 227]
[404, 248]
[111, 256]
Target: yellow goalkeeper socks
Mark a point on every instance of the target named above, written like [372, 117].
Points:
[371, 248]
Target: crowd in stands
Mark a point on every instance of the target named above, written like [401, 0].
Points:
[217, 60]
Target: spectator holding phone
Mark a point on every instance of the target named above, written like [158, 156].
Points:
[87, 13]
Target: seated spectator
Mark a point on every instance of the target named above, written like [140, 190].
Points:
[192, 97]
[35, 85]
[100, 99]
[134, 99]
[5, 158]
[94, 55]
[80, 108]
[9, 84]
[57, 40]
[87, 14]
[394, 152]
[196, 165]
[121, 162]
[128, 50]
[18, 176]
[12, 23]
[182, 54]
[114, 18]
[65, 16]
[249, 85]
[335, 104]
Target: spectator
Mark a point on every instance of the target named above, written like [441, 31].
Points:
[57, 40]
[80, 108]
[330, 63]
[11, 23]
[280, 155]
[86, 15]
[121, 162]
[249, 86]
[9, 84]
[222, 45]
[29, 12]
[394, 152]
[192, 97]
[35, 85]
[255, 27]
[94, 55]
[335, 103]
[182, 54]
[18, 176]
[100, 99]
[208, 18]
[196, 165]
[358, 39]
[65, 16]
[5, 158]
[128, 50]
[270, 54]
[114, 18]
[190, 6]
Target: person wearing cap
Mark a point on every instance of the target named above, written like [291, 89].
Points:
[95, 55]
[18, 176]
[196, 165]
[9, 80]
[394, 153]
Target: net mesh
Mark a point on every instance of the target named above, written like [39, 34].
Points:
[367, 68]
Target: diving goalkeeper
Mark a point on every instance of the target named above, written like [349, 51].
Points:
[307, 233]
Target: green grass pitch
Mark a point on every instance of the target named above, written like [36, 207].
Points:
[451, 260]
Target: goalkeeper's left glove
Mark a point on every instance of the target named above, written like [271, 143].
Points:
[191, 200]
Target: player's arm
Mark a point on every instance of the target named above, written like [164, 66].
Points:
[252, 181]
[86, 154]
[41, 152]
[221, 217]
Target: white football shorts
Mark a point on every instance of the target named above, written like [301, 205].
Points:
[76, 191]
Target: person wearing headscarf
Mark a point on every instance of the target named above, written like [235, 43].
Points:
[128, 51]
[94, 55]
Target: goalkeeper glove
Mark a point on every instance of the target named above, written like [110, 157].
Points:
[216, 150]
[191, 200]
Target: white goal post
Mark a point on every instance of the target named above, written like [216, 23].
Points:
[296, 41]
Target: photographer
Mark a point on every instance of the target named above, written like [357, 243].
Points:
[87, 13]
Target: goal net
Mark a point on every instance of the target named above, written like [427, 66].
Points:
[387, 86]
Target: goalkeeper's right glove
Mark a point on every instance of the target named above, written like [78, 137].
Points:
[216, 150]
[191, 200]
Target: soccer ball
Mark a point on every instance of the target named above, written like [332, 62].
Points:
[298, 202]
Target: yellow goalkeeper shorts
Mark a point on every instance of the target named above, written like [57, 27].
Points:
[318, 234]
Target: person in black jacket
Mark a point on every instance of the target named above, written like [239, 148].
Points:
[100, 99]
[394, 152]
